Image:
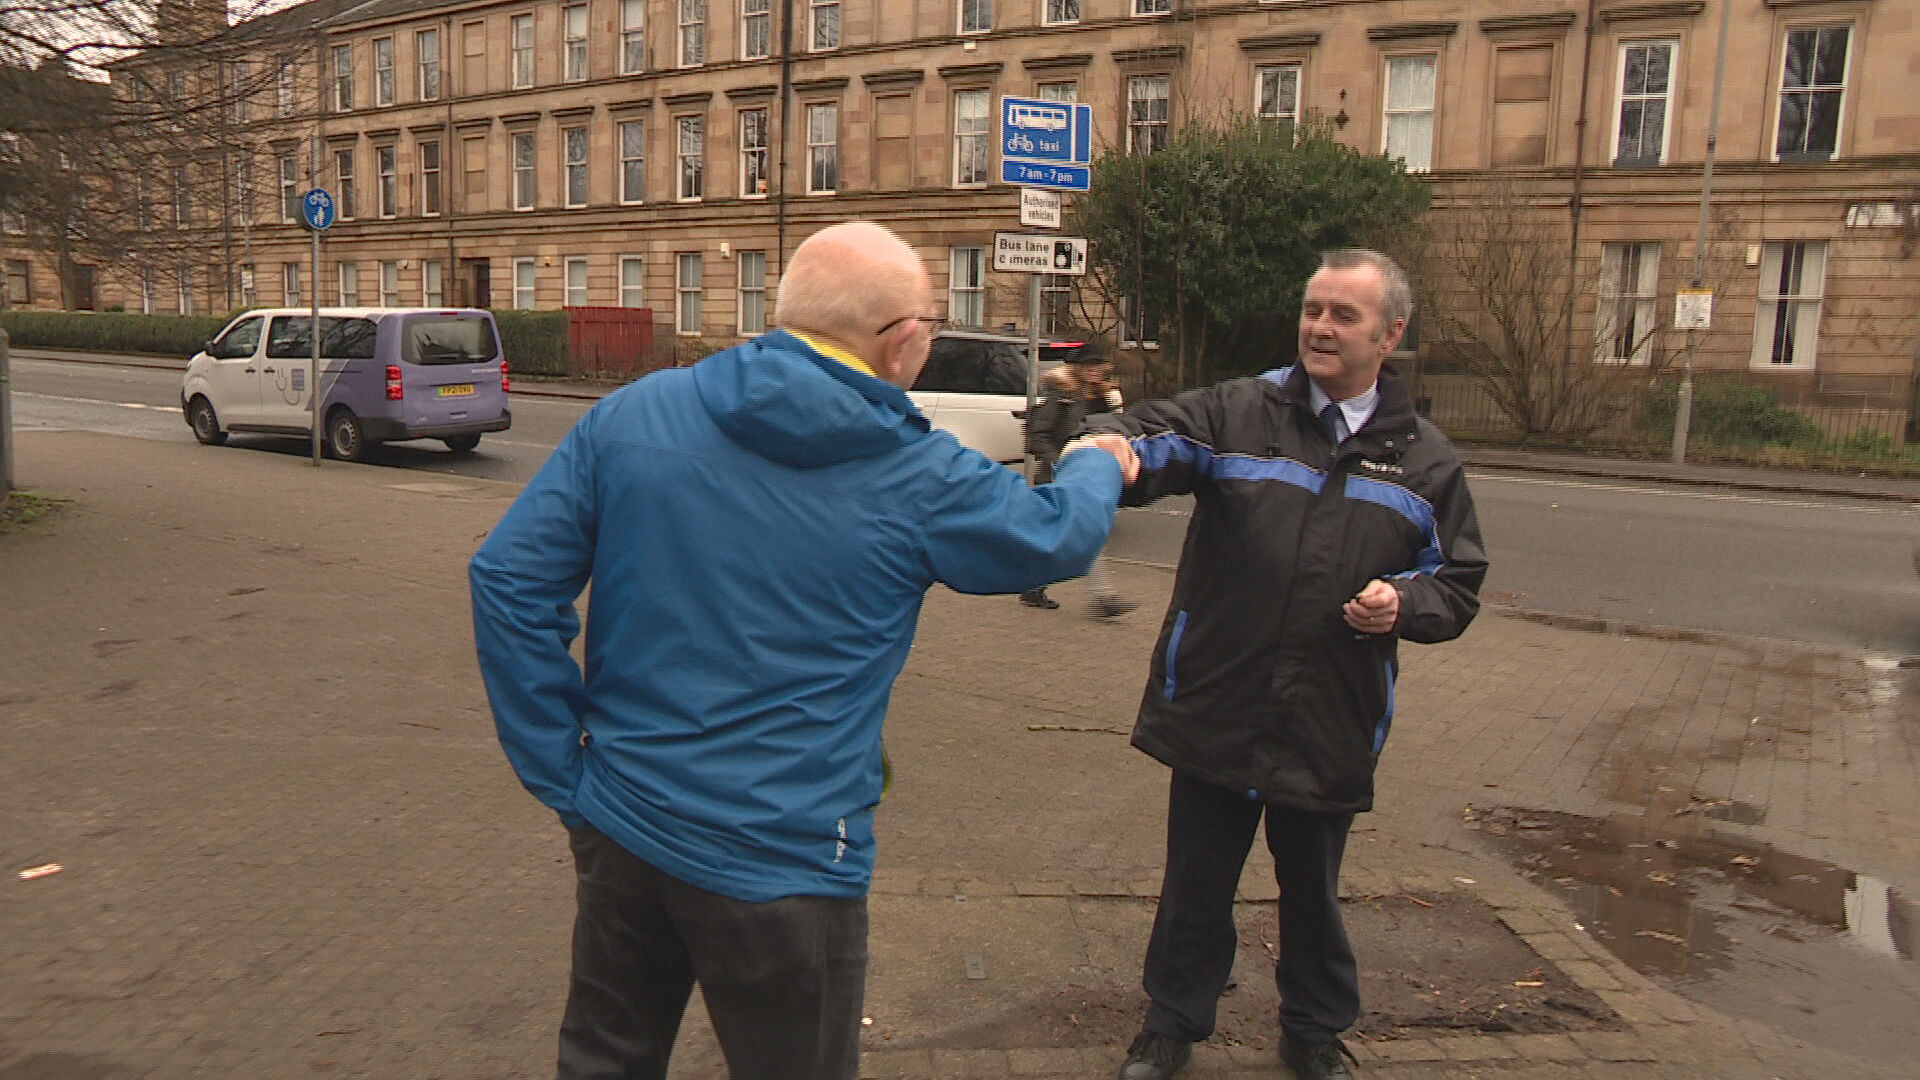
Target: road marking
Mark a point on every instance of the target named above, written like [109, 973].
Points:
[1712, 496]
[96, 401]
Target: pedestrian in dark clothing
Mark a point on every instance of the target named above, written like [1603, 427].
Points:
[760, 530]
[1081, 387]
[1330, 522]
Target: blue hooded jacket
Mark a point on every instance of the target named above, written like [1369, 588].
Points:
[760, 530]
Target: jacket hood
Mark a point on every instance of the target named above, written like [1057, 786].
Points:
[780, 399]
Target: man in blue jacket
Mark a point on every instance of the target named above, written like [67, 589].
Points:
[759, 530]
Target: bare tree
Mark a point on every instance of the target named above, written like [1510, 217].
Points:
[1502, 303]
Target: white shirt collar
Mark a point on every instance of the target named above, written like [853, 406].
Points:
[1357, 410]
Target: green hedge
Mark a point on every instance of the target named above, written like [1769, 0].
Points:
[166, 335]
[535, 341]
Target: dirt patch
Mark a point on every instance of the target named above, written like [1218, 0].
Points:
[1429, 965]
[23, 508]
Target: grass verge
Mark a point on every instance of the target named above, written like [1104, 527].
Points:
[23, 508]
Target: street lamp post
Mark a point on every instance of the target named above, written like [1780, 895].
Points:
[1683, 410]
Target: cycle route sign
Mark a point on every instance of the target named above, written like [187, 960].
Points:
[1046, 144]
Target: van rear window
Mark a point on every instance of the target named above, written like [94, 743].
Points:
[340, 339]
[449, 339]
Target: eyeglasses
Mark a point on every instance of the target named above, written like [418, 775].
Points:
[934, 323]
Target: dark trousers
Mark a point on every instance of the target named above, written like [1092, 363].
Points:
[1190, 956]
[782, 980]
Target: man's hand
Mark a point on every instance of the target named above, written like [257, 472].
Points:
[1374, 609]
[1118, 446]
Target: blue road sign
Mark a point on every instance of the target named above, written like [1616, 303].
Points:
[316, 209]
[1045, 143]
[1059, 177]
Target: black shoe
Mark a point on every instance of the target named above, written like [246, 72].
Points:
[1039, 598]
[1107, 607]
[1154, 1056]
[1317, 1060]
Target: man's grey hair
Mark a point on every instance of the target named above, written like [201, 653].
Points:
[847, 280]
[1398, 303]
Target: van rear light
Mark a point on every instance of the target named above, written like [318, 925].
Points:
[394, 390]
[506, 384]
[393, 373]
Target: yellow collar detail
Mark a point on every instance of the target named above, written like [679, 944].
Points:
[835, 352]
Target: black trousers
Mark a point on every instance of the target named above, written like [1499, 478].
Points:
[1190, 955]
[782, 980]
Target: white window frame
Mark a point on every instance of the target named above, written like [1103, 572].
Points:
[1639, 260]
[760, 152]
[389, 285]
[1621, 98]
[1290, 112]
[823, 151]
[1059, 12]
[689, 158]
[633, 161]
[973, 16]
[525, 295]
[687, 299]
[632, 282]
[573, 162]
[284, 98]
[690, 42]
[433, 283]
[290, 284]
[383, 88]
[427, 64]
[237, 92]
[756, 13]
[289, 189]
[823, 25]
[1131, 337]
[1781, 90]
[523, 190]
[573, 43]
[751, 283]
[973, 145]
[342, 55]
[1065, 91]
[967, 286]
[573, 281]
[1163, 123]
[1431, 111]
[432, 195]
[1803, 305]
[346, 193]
[520, 69]
[633, 36]
[386, 176]
[182, 199]
[183, 291]
[1143, 9]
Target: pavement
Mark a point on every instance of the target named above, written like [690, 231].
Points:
[239, 708]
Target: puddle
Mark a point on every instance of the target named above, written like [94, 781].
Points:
[1803, 945]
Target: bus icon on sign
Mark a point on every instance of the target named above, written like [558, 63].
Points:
[1036, 116]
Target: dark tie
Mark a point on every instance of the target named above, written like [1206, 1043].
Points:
[1331, 419]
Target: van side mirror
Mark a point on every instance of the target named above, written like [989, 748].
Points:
[208, 348]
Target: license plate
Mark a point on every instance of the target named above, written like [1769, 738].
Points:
[462, 390]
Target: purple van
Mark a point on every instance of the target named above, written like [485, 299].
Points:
[387, 374]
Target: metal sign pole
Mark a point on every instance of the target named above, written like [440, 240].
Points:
[313, 362]
[1033, 365]
[6, 422]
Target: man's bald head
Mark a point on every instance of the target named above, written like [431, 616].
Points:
[861, 286]
[849, 280]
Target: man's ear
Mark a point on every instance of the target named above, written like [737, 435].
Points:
[1391, 339]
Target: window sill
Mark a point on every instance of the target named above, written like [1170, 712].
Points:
[1809, 157]
[1637, 163]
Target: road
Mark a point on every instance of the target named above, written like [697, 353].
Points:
[1827, 570]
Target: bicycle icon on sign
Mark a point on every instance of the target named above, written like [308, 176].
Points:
[1019, 143]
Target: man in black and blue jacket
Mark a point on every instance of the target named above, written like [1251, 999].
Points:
[1330, 522]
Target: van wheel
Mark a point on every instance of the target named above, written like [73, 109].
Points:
[462, 444]
[344, 438]
[206, 424]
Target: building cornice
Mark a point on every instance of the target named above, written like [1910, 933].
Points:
[821, 86]
[697, 97]
[752, 93]
[1266, 42]
[1154, 55]
[894, 77]
[1399, 31]
[1050, 63]
[1682, 10]
[1551, 20]
[971, 71]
